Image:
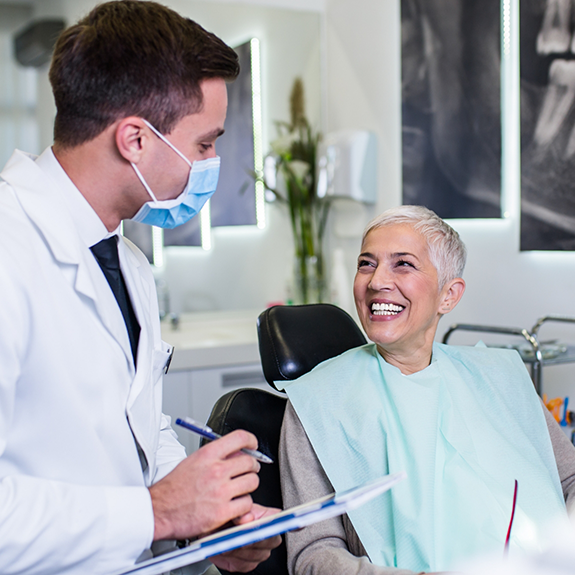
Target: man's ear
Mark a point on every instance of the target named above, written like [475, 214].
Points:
[452, 292]
[131, 137]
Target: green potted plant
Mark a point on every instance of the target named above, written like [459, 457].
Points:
[294, 152]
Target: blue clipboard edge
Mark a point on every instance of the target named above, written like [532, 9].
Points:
[294, 518]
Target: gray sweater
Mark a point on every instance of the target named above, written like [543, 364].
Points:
[332, 547]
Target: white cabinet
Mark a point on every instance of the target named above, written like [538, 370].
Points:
[215, 352]
[193, 393]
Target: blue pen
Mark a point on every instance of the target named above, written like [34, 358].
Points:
[208, 433]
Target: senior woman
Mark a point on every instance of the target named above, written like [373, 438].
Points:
[463, 422]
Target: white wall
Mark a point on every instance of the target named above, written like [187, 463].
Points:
[18, 88]
[247, 269]
[504, 286]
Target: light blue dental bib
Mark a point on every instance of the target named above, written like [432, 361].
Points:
[463, 429]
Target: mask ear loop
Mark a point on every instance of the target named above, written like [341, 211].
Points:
[144, 183]
[164, 139]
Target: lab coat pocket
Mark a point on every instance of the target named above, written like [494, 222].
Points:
[145, 405]
[161, 360]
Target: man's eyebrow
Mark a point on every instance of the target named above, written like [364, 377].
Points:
[213, 135]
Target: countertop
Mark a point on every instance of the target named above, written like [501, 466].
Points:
[205, 340]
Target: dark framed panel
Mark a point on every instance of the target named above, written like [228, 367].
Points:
[234, 202]
[451, 106]
[547, 52]
[188, 234]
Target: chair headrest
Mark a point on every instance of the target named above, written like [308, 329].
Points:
[294, 339]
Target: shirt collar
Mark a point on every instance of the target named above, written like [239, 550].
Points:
[90, 227]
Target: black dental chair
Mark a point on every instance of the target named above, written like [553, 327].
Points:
[292, 341]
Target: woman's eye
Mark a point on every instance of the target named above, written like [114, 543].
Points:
[205, 147]
[404, 263]
[363, 263]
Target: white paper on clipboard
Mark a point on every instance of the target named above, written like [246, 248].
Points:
[294, 518]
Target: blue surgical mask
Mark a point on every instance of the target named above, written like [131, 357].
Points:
[202, 183]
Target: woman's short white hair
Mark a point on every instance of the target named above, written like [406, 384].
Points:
[447, 251]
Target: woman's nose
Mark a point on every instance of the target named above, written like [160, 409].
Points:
[380, 280]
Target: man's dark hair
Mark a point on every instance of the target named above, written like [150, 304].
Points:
[132, 57]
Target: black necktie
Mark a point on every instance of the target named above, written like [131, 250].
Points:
[106, 253]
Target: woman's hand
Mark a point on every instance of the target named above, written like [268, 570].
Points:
[247, 558]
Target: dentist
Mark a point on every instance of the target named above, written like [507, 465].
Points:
[91, 473]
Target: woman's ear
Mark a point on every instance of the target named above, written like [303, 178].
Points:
[131, 138]
[452, 292]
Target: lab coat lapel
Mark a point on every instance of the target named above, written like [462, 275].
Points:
[140, 290]
[141, 394]
[41, 200]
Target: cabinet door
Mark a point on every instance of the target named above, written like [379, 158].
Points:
[176, 403]
[208, 385]
[194, 393]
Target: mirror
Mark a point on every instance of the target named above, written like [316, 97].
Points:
[290, 46]
[18, 88]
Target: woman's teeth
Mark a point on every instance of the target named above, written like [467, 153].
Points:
[385, 309]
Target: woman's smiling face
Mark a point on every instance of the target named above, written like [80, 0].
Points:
[396, 290]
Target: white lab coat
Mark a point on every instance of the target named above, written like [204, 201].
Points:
[73, 497]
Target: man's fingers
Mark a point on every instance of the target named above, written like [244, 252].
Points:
[244, 484]
[235, 480]
[206, 490]
[227, 469]
[240, 505]
[242, 463]
[232, 443]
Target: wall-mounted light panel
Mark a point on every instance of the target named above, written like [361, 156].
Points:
[239, 200]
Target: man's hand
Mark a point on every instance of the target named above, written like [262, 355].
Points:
[207, 489]
[247, 558]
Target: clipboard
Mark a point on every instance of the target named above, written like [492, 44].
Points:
[294, 518]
